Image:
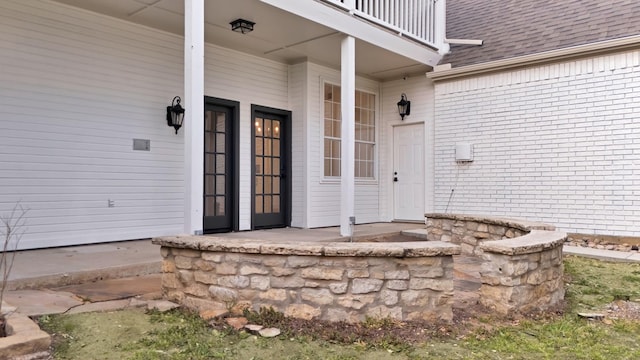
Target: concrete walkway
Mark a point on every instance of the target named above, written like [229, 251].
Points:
[35, 269]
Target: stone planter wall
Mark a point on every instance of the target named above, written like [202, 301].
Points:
[523, 274]
[332, 281]
[471, 231]
[521, 269]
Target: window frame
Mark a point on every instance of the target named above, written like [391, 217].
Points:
[376, 126]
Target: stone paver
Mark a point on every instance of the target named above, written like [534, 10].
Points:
[41, 302]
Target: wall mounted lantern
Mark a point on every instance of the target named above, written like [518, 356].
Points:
[175, 114]
[404, 106]
[242, 26]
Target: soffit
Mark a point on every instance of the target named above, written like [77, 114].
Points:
[278, 35]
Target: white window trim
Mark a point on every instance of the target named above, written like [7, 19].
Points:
[336, 179]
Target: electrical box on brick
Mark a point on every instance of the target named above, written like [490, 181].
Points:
[464, 152]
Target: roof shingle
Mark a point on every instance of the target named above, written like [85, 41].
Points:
[513, 28]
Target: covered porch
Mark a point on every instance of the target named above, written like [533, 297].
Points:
[405, 37]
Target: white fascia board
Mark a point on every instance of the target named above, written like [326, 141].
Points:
[446, 72]
[359, 29]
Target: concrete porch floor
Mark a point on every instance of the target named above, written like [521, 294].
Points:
[54, 267]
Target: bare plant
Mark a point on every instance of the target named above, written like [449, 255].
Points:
[11, 231]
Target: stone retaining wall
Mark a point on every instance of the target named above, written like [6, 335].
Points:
[331, 281]
[521, 269]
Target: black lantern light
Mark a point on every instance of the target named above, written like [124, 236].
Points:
[242, 26]
[175, 114]
[404, 106]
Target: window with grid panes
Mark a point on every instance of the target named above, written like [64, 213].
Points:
[364, 135]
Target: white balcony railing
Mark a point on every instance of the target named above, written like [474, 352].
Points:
[420, 20]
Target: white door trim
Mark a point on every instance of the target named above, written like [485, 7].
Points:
[408, 192]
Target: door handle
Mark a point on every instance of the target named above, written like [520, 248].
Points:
[395, 176]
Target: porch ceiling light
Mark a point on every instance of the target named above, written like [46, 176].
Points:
[404, 106]
[242, 26]
[175, 114]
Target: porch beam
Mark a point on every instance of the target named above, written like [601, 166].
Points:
[347, 156]
[194, 115]
[362, 30]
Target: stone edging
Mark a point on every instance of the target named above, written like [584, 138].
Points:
[293, 248]
[523, 225]
[25, 338]
[533, 242]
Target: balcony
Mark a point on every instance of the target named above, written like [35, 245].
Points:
[419, 20]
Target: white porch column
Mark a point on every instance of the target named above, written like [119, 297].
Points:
[194, 115]
[348, 103]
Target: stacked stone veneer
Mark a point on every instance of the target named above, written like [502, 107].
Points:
[331, 281]
[521, 269]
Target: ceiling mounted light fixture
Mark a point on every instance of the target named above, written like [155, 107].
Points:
[404, 106]
[242, 26]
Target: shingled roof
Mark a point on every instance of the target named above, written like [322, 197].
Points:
[513, 28]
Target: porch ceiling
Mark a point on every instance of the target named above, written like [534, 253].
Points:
[278, 35]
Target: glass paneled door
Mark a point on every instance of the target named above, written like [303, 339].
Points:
[218, 169]
[271, 205]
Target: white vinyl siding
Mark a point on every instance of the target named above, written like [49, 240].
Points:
[75, 89]
[298, 101]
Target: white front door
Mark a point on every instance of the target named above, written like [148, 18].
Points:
[408, 168]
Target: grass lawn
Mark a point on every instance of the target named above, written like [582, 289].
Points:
[592, 286]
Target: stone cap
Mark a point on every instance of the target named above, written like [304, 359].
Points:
[520, 224]
[535, 241]
[283, 247]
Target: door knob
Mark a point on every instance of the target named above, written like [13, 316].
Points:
[395, 176]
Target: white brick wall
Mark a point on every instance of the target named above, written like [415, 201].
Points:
[558, 143]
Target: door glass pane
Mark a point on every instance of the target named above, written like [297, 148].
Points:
[220, 143]
[267, 204]
[267, 146]
[267, 166]
[276, 203]
[259, 167]
[220, 205]
[267, 184]
[276, 166]
[220, 189]
[276, 147]
[259, 206]
[276, 128]
[207, 120]
[209, 206]
[259, 146]
[210, 140]
[220, 122]
[276, 185]
[208, 163]
[209, 181]
[267, 127]
[220, 162]
[258, 185]
[258, 124]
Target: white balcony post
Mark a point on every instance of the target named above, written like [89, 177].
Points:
[194, 115]
[440, 19]
[350, 4]
[347, 182]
